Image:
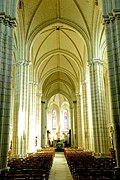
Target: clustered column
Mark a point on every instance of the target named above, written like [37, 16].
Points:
[75, 124]
[32, 116]
[72, 126]
[111, 18]
[17, 102]
[38, 121]
[85, 114]
[6, 47]
[20, 123]
[43, 124]
[100, 131]
[26, 103]
[80, 123]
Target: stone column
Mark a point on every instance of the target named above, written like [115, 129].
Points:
[43, 124]
[38, 120]
[80, 123]
[112, 25]
[89, 109]
[31, 128]
[16, 110]
[20, 122]
[12, 110]
[26, 104]
[72, 127]
[6, 47]
[100, 131]
[32, 116]
[75, 124]
[85, 115]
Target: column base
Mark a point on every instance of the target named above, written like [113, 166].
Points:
[117, 173]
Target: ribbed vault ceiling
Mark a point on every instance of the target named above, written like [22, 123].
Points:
[58, 32]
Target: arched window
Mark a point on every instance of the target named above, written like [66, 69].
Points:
[65, 114]
[54, 119]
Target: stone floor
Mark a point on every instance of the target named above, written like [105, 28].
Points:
[60, 169]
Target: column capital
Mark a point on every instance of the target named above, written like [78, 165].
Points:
[27, 63]
[78, 94]
[43, 102]
[23, 62]
[106, 19]
[39, 94]
[7, 20]
[116, 13]
[95, 61]
[33, 82]
[84, 82]
[20, 62]
[96, 2]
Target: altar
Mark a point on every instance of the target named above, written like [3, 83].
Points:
[59, 146]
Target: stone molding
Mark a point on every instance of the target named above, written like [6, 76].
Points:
[84, 82]
[33, 82]
[7, 20]
[96, 2]
[78, 94]
[95, 61]
[23, 62]
[114, 15]
[39, 94]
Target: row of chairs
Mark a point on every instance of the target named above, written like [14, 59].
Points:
[85, 165]
[34, 166]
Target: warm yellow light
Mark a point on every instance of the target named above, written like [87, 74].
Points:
[21, 124]
[32, 135]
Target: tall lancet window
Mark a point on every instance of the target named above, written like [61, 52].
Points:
[65, 113]
[54, 119]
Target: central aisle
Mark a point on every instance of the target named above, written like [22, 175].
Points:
[60, 169]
